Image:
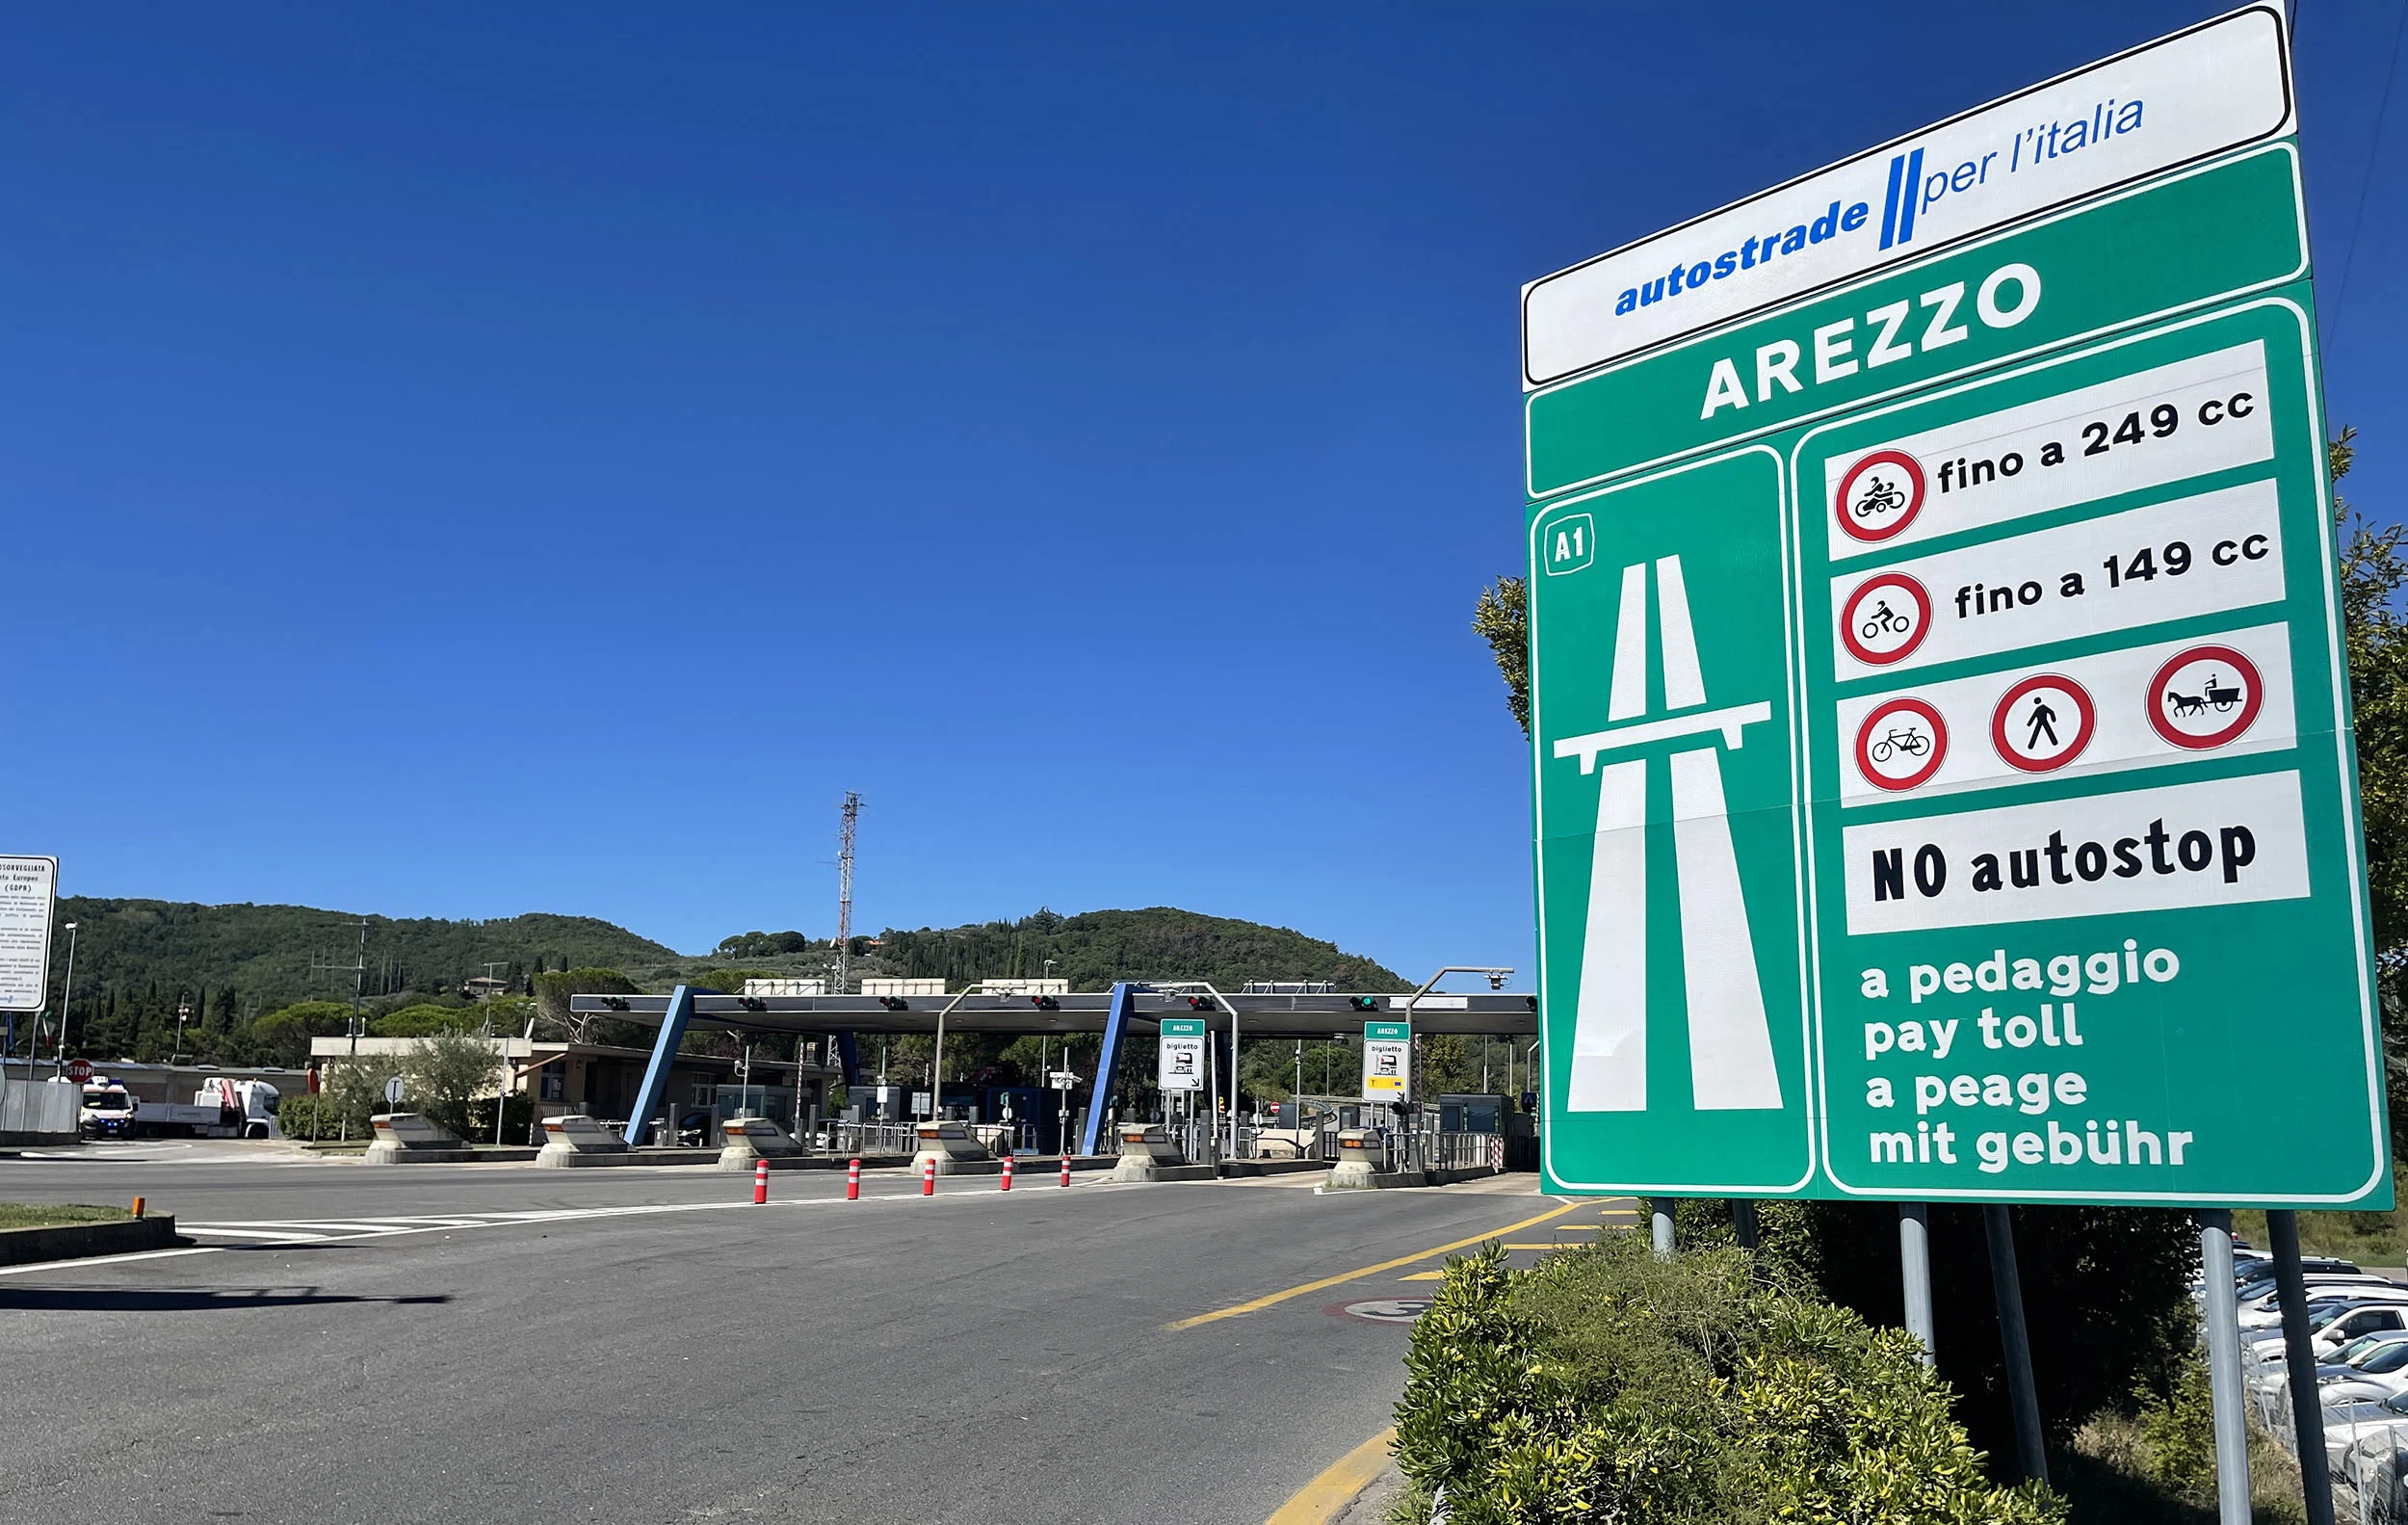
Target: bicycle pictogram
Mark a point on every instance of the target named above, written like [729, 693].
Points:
[1900, 744]
[1906, 743]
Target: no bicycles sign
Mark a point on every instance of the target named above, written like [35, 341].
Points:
[1945, 780]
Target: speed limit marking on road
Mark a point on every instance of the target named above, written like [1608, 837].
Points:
[1879, 496]
[2043, 723]
[2205, 697]
[1902, 744]
[1885, 619]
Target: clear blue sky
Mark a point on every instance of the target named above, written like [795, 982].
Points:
[465, 461]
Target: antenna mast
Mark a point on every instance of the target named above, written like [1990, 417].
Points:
[844, 889]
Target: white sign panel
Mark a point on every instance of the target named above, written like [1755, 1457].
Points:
[2224, 842]
[1387, 1062]
[2216, 87]
[1180, 1057]
[29, 894]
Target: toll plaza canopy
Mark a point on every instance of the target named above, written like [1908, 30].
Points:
[1124, 1010]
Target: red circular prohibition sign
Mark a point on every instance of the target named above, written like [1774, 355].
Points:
[2081, 736]
[1849, 635]
[1865, 734]
[2252, 700]
[1844, 505]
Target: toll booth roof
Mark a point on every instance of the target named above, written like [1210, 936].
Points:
[1497, 1014]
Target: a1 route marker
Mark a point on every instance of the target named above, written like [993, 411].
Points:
[1945, 782]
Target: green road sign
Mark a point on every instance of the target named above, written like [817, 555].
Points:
[1945, 784]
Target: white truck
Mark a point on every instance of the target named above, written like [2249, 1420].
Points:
[224, 1108]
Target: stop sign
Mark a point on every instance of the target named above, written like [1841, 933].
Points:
[79, 1070]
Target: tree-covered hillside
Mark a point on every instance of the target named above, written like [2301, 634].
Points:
[1094, 948]
[237, 962]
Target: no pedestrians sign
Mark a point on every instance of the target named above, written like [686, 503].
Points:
[1945, 781]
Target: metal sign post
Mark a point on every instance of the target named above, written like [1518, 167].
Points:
[1941, 744]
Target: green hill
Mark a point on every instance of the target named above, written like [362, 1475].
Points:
[137, 961]
[1094, 948]
[253, 959]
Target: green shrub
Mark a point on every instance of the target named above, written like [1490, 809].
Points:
[1607, 1385]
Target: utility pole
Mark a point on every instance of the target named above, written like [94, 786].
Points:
[846, 820]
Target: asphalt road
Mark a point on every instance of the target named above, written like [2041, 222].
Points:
[645, 1345]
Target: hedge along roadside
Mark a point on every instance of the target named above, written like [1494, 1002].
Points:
[1604, 1384]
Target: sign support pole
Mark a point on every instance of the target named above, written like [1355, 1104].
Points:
[1660, 1210]
[2307, 1413]
[1914, 1248]
[1744, 1221]
[2008, 1286]
[2223, 1313]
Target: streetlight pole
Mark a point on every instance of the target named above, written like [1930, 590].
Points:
[63, 999]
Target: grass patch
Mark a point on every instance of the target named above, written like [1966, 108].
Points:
[2370, 1238]
[2126, 1471]
[56, 1215]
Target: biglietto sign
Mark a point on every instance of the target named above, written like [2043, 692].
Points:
[1945, 783]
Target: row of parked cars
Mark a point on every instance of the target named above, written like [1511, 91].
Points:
[2358, 1327]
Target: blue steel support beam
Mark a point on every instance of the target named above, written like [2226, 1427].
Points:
[664, 1054]
[851, 1053]
[1108, 1064]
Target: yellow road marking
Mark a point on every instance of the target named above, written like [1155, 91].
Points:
[1336, 1489]
[1259, 1304]
[1423, 1275]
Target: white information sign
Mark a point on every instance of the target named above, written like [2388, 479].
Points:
[29, 896]
[1387, 1062]
[2216, 87]
[1180, 1065]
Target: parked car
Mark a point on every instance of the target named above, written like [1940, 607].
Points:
[2372, 1462]
[2265, 1312]
[2373, 1377]
[2376, 1355]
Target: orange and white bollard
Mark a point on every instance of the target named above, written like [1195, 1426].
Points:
[927, 1177]
[761, 1183]
[853, 1181]
[1006, 1186]
[1065, 1167]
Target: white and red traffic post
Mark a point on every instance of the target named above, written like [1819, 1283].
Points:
[760, 1183]
[928, 1176]
[1006, 1186]
[852, 1180]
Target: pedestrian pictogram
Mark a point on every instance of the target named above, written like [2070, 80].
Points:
[2205, 697]
[1902, 744]
[2043, 723]
[1879, 496]
[1731, 1063]
[1885, 619]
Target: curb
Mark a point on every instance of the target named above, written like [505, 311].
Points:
[19, 1247]
[1330, 1497]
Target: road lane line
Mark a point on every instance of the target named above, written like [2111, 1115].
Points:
[1262, 1303]
[1338, 1486]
